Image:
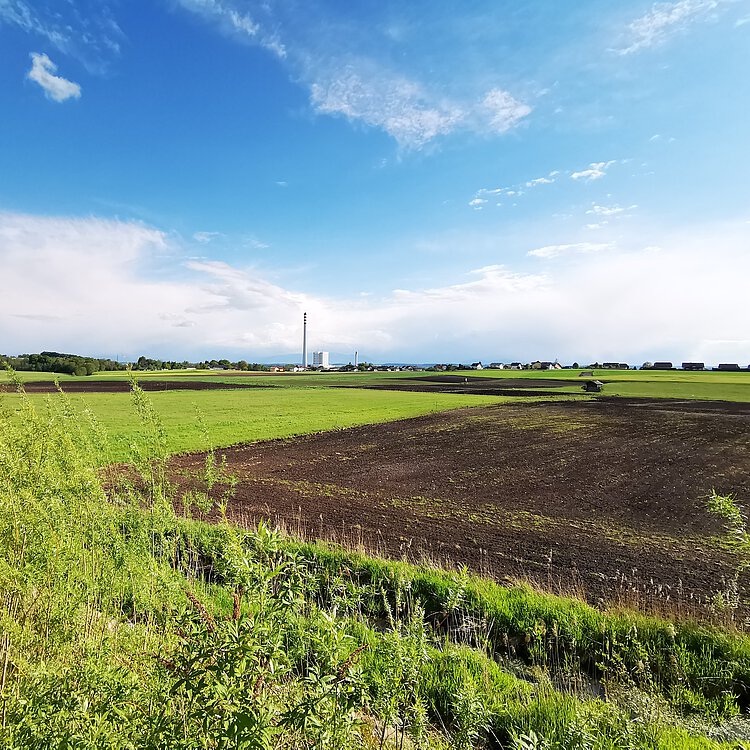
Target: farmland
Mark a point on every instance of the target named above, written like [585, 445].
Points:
[601, 498]
[152, 605]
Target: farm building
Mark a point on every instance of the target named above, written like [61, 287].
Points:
[693, 366]
[496, 366]
[615, 366]
[662, 366]
[593, 386]
[586, 374]
[729, 367]
[515, 366]
[476, 366]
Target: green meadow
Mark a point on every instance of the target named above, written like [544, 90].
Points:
[198, 420]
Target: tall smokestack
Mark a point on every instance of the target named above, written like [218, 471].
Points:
[356, 359]
[304, 340]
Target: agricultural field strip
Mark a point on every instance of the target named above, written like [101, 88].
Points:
[232, 417]
[708, 385]
[490, 514]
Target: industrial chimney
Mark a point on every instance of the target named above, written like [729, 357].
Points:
[304, 340]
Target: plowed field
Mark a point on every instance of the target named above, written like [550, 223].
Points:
[603, 497]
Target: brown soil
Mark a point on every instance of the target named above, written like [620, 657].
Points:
[603, 497]
[123, 386]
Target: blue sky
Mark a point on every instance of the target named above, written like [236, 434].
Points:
[430, 181]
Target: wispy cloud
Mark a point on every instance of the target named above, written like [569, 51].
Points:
[504, 110]
[575, 248]
[595, 171]
[55, 87]
[85, 29]
[239, 23]
[664, 20]
[412, 115]
[513, 191]
[205, 237]
[610, 210]
[539, 181]
[396, 105]
[328, 56]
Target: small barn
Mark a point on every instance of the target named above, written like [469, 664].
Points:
[593, 386]
[693, 366]
[586, 374]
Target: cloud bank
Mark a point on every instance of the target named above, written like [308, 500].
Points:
[103, 287]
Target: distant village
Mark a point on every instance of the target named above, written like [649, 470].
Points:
[321, 363]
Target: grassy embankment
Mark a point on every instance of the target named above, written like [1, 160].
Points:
[126, 626]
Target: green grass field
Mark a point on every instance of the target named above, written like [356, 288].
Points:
[240, 416]
[306, 403]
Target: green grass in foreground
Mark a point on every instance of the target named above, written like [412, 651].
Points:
[198, 420]
[124, 626]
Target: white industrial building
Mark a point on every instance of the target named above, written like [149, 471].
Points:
[321, 359]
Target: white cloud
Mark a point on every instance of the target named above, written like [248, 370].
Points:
[664, 20]
[55, 87]
[610, 210]
[90, 35]
[477, 202]
[575, 248]
[255, 243]
[514, 190]
[595, 171]
[505, 111]
[328, 55]
[90, 286]
[363, 91]
[206, 237]
[539, 181]
[237, 23]
[395, 104]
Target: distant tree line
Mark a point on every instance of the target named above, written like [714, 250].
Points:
[66, 364]
[146, 363]
[75, 364]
